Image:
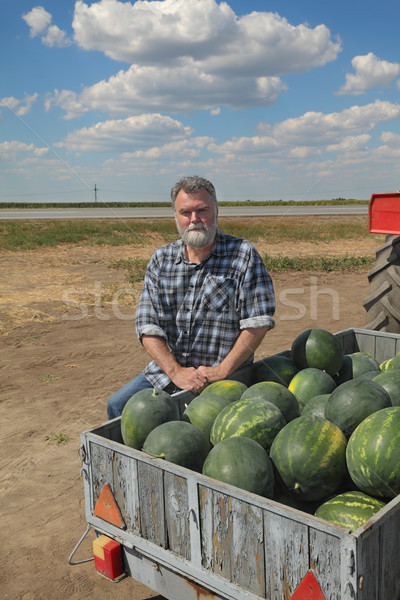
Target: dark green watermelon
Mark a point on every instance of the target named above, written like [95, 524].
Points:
[310, 382]
[354, 365]
[353, 401]
[203, 410]
[315, 406]
[275, 368]
[276, 393]
[390, 381]
[373, 454]
[242, 462]
[319, 349]
[178, 442]
[144, 411]
[309, 454]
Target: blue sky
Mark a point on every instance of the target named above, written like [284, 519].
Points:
[291, 100]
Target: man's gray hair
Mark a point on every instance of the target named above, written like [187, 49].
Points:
[193, 185]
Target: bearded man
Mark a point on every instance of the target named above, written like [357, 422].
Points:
[206, 304]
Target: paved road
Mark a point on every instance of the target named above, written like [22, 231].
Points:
[159, 212]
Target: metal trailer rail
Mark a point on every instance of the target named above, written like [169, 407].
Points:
[189, 537]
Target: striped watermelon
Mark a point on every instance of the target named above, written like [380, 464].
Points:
[229, 388]
[251, 417]
[316, 406]
[276, 393]
[373, 454]
[350, 509]
[309, 454]
[390, 381]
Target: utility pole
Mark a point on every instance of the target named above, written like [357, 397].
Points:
[95, 192]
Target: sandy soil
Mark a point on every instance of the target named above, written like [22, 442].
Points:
[67, 343]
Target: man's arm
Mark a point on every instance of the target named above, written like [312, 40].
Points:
[185, 378]
[245, 345]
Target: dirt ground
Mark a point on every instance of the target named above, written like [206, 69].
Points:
[68, 342]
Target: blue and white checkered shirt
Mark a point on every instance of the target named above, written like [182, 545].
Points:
[200, 309]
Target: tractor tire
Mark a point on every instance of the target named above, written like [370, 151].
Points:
[383, 301]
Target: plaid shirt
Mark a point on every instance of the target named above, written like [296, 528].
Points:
[200, 309]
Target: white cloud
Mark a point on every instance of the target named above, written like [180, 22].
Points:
[370, 72]
[39, 22]
[391, 139]
[189, 55]
[126, 134]
[38, 19]
[319, 128]
[207, 32]
[56, 37]
[181, 89]
[20, 107]
[10, 150]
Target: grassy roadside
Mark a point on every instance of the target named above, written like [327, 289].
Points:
[33, 235]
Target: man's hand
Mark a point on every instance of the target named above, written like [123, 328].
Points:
[212, 373]
[189, 378]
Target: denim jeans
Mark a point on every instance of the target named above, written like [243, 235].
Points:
[117, 401]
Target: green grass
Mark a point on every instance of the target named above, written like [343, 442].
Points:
[334, 201]
[58, 438]
[31, 235]
[136, 268]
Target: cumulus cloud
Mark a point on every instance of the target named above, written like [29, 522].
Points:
[39, 22]
[207, 32]
[187, 55]
[370, 72]
[126, 134]
[20, 107]
[11, 149]
[183, 89]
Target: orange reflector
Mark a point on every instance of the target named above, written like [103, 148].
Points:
[308, 589]
[107, 509]
[108, 557]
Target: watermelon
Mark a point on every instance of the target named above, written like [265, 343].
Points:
[373, 454]
[178, 442]
[390, 381]
[309, 454]
[242, 462]
[391, 364]
[229, 388]
[202, 411]
[354, 365]
[349, 509]
[310, 382]
[353, 401]
[319, 349]
[275, 368]
[254, 418]
[276, 393]
[144, 411]
[316, 406]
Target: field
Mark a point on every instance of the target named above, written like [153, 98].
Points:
[67, 323]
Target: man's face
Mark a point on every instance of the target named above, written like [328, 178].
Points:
[196, 218]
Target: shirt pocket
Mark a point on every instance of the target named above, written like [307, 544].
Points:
[219, 294]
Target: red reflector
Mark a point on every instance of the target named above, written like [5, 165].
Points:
[108, 557]
[308, 589]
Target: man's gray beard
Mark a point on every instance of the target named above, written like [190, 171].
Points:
[198, 239]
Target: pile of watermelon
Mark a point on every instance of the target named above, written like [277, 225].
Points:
[318, 430]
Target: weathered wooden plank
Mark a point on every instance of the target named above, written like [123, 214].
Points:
[232, 540]
[126, 491]
[177, 514]
[286, 555]
[389, 558]
[325, 557]
[151, 503]
[101, 467]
